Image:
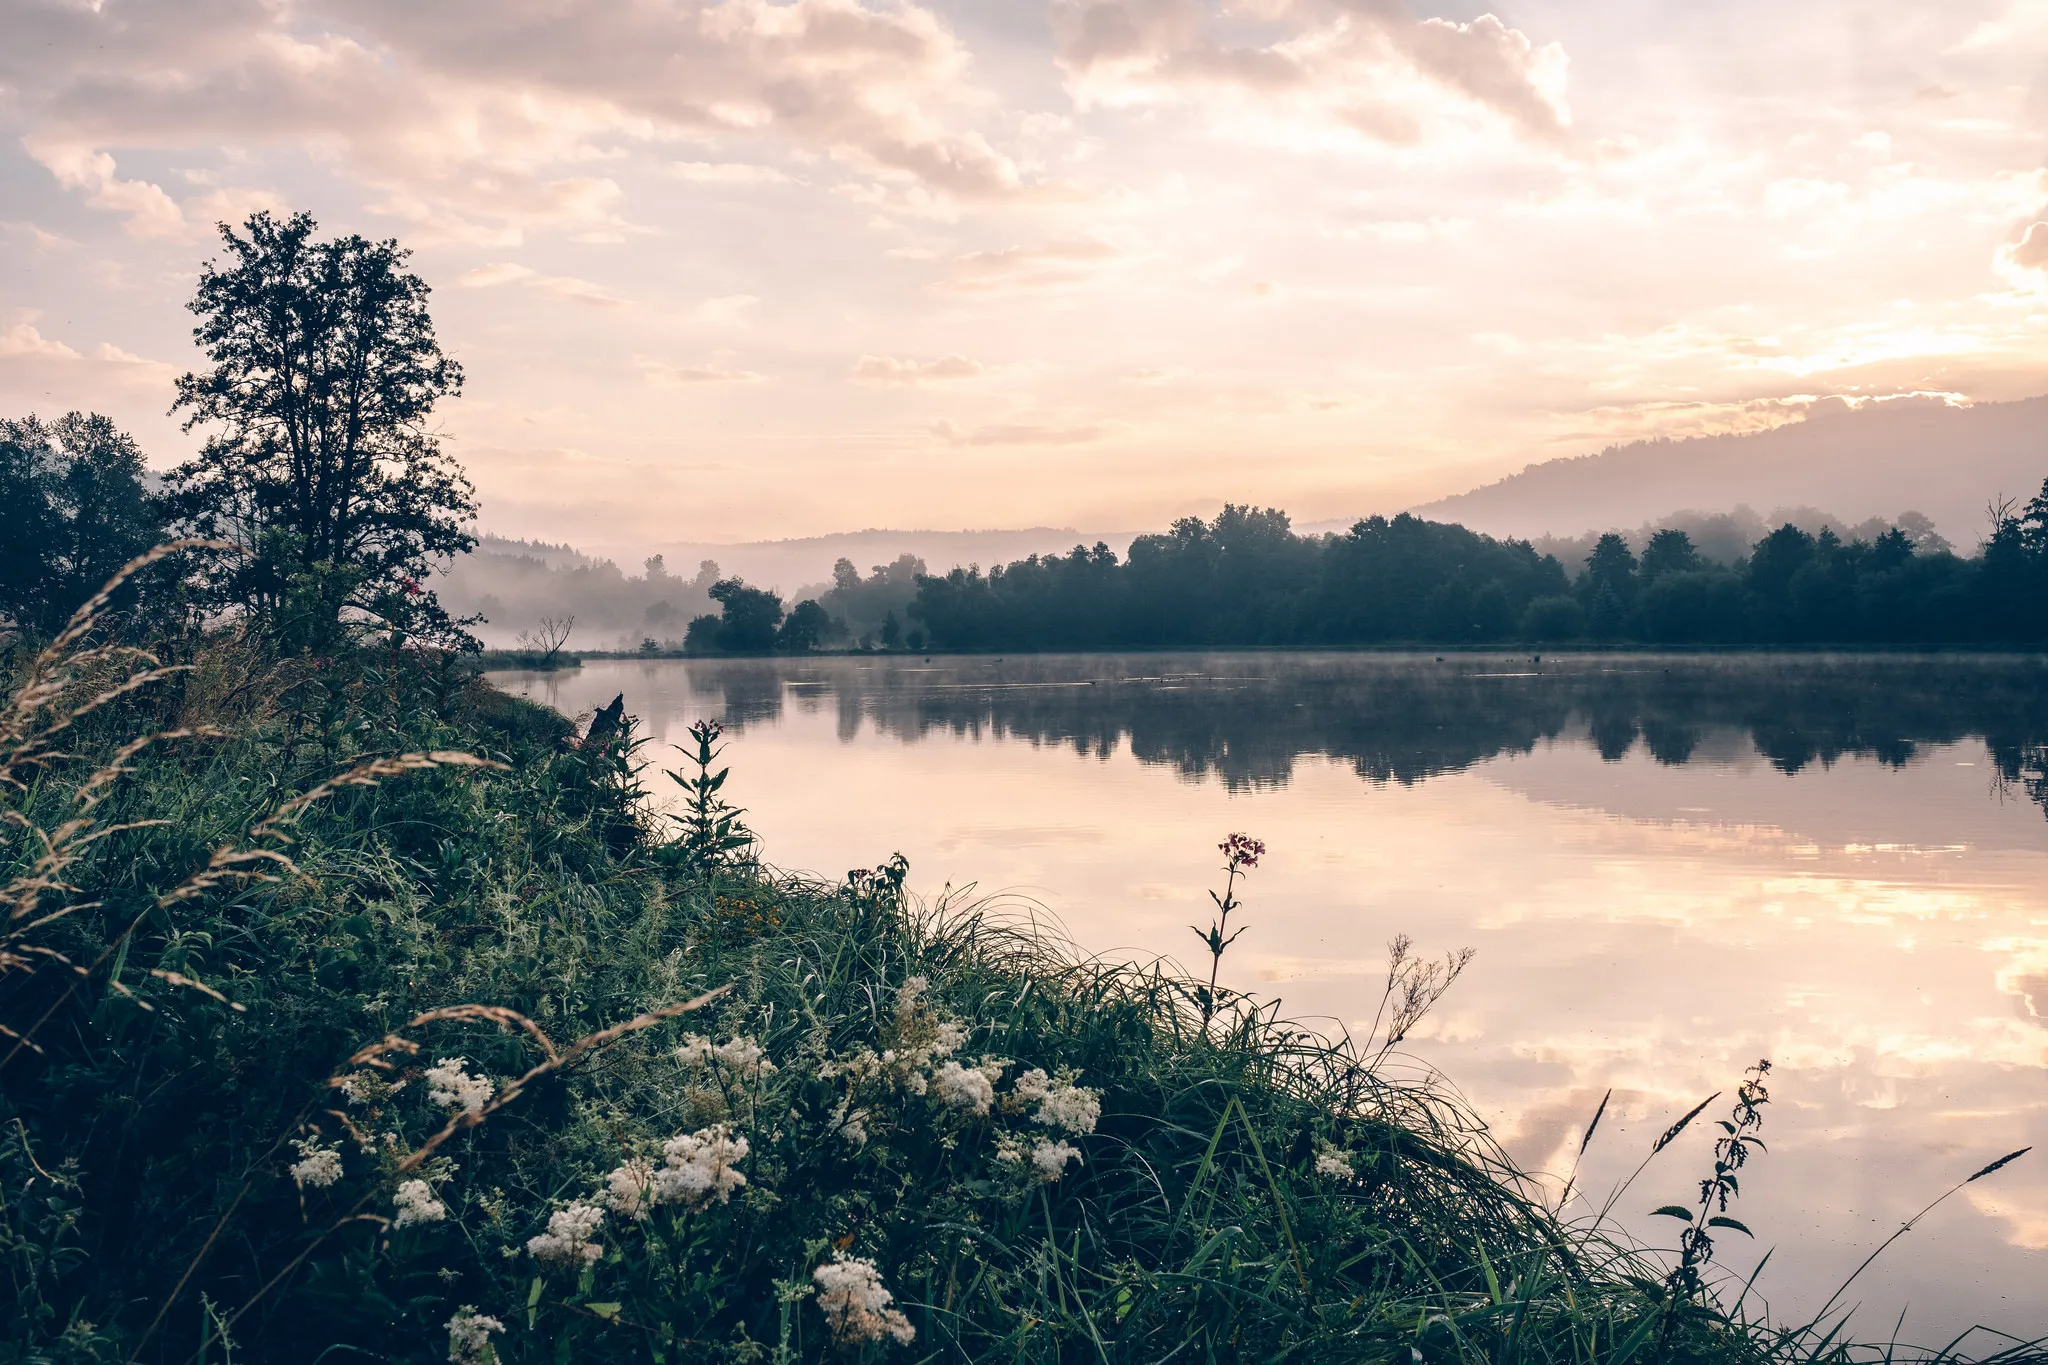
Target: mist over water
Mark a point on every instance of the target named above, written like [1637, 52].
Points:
[1669, 866]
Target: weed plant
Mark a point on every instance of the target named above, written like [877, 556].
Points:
[355, 1014]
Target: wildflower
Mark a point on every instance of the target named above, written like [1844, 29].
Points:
[1061, 1103]
[948, 1037]
[627, 1189]
[416, 1204]
[1241, 850]
[910, 994]
[852, 1124]
[964, 1088]
[1009, 1149]
[1335, 1164]
[449, 1086]
[317, 1166]
[567, 1239]
[740, 1054]
[469, 1336]
[360, 1087]
[856, 1302]
[1050, 1158]
[699, 1169]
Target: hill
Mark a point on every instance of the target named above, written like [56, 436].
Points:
[1876, 461]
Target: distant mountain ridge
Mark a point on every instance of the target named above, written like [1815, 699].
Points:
[1874, 461]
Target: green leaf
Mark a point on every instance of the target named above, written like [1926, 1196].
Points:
[1729, 1223]
[533, 1302]
[606, 1311]
[1673, 1211]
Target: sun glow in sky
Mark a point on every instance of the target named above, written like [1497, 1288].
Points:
[748, 269]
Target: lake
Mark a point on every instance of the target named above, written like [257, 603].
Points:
[1669, 867]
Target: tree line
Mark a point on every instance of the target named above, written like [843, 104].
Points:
[1245, 578]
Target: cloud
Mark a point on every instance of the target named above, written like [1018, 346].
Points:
[882, 369]
[1361, 65]
[1024, 268]
[667, 376]
[22, 340]
[56, 370]
[149, 210]
[727, 173]
[567, 288]
[470, 120]
[1014, 434]
[729, 310]
[2030, 252]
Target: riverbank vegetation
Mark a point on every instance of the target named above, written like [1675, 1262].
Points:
[351, 1004]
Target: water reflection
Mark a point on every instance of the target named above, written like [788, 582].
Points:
[1246, 719]
[1669, 867]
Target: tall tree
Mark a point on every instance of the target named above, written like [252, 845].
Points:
[323, 466]
[73, 509]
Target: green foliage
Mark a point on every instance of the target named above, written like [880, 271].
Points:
[1246, 579]
[73, 510]
[746, 623]
[861, 605]
[712, 837]
[322, 468]
[807, 627]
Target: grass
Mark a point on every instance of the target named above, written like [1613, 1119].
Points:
[263, 911]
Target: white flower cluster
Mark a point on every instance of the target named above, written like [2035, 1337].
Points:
[449, 1086]
[1335, 1165]
[972, 1088]
[469, 1336]
[628, 1188]
[1048, 1159]
[416, 1204]
[739, 1054]
[851, 1123]
[857, 1303]
[317, 1166]
[568, 1238]
[1061, 1103]
[909, 996]
[360, 1087]
[697, 1169]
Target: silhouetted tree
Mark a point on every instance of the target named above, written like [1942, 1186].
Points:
[748, 617]
[322, 465]
[806, 628]
[1610, 568]
[73, 509]
[1669, 551]
[1246, 579]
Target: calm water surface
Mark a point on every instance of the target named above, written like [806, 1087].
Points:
[1669, 868]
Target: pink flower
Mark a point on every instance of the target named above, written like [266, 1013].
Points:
[1241, 850]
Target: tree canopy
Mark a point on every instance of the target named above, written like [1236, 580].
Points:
[1245, 578]
[73, 509]
[321, 462]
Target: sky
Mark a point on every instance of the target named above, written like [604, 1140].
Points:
[746, 270]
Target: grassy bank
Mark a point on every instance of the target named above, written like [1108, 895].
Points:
[357, 1010]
